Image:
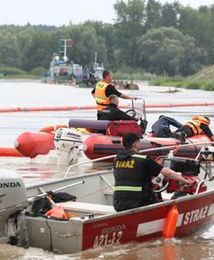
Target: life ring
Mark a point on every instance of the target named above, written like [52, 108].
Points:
[52, 128]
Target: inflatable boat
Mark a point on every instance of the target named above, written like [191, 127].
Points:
[102, 139]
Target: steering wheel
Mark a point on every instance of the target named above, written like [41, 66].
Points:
[131, 113]
[159, 184]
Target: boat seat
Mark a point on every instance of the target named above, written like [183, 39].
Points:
[87, 207]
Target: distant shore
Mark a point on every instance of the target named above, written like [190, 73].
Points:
[177, 82]
[204, 84]
[20, 80]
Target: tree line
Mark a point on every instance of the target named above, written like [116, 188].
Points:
[168, 39]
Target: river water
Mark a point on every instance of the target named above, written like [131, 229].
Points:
[31, 94]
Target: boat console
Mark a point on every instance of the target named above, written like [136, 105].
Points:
[190, 170]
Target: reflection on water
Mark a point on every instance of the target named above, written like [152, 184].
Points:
[197, 246]
[185, 248]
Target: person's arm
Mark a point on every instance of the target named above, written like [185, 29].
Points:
[155, 169]
[169, 173]
[111, 90]
[207, 131]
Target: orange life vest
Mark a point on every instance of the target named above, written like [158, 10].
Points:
[195, 124]
[100, 97]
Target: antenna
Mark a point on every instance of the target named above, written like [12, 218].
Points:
[95, 57]
[67, 43]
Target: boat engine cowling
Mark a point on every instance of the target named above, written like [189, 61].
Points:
[67, 142]
[13, 198]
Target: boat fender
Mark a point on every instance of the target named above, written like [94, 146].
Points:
[52, 128]
[31, 144]
[170, 223]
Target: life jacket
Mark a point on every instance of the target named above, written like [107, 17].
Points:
[101, 99]
[130, 182]
[195, 124]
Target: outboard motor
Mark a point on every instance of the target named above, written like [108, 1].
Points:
[187, 167]
[190, 170]
[13, 199]
[67, 142]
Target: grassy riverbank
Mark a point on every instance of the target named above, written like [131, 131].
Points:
[204, 79]
[133, 74]
[20, 76]
[183, 83]
[15, 73]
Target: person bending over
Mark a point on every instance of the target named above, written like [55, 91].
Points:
[161, 128]
[198, 125]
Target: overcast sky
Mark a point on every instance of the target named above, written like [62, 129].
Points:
[62, 12]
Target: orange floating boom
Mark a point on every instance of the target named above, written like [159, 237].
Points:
[68, 108]
[10, 151]
[159, 105]
[38, 109]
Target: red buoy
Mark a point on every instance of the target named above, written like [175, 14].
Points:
[170, 223]
[31, 144]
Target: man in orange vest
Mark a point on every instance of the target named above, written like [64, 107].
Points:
[103, 90]
[198, 125]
